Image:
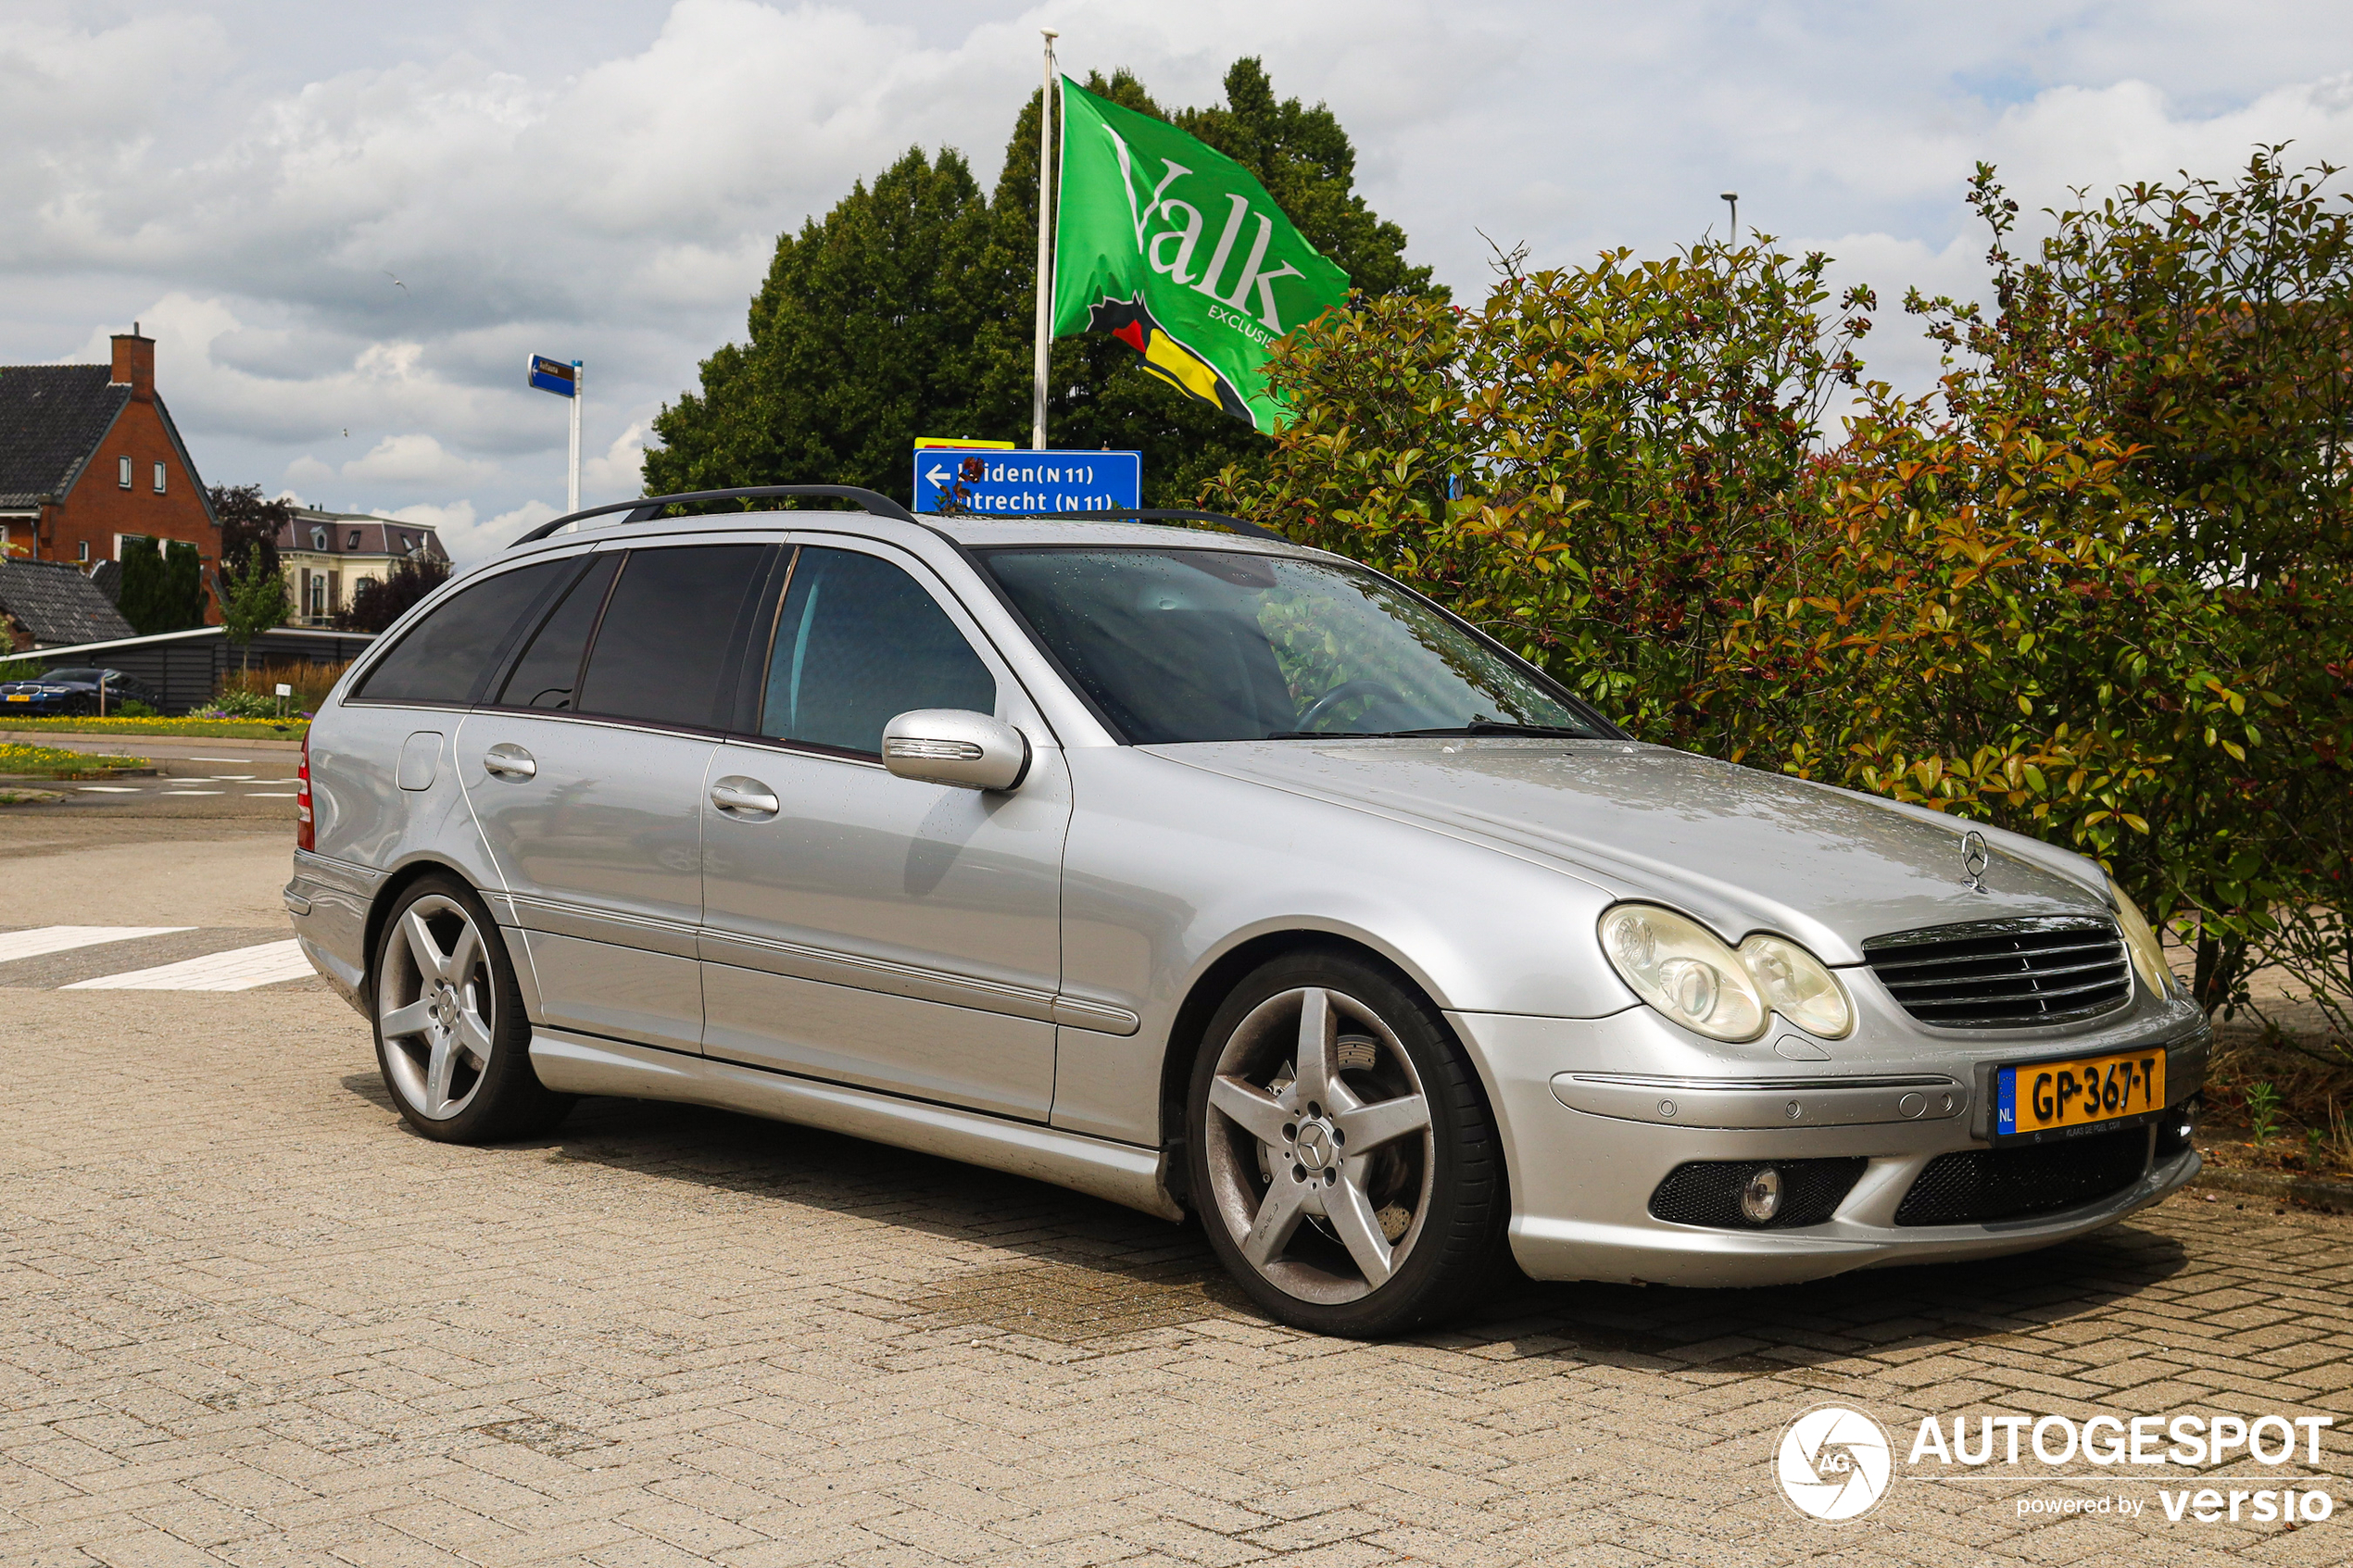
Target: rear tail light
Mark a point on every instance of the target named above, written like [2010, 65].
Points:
[306, 830]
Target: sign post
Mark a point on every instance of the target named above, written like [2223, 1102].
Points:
[1009, 484]
[554, 375]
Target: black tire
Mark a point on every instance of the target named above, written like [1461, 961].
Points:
[1447, 1182]
[476, 1101]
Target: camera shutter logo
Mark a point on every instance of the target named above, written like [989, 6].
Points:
[1833, 1464]
[1975, 858]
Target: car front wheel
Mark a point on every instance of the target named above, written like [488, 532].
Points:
[451, 1038]
[1344, 1156]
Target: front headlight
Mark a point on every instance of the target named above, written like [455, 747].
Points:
[1681, 968]
[1794, 985]
[2140, 939]
[1678, 967]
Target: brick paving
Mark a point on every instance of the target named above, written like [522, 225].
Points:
[249, 1319]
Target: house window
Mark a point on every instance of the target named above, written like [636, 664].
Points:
[334, 590]
[353, 542]
[84, 548]
[159, 479]
[317, 538]
[123, 473]
[121, 540]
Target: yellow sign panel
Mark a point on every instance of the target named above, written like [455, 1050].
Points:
[927, 443]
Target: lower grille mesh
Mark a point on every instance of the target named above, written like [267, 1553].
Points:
[1707, 1192]
[2008, 1184]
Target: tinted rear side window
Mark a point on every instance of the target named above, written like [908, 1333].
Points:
[447, 655]
[668, 631]
[550, 668]
[858, 642]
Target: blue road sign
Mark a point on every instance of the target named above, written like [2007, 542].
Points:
[553, 375]
[1011, 483]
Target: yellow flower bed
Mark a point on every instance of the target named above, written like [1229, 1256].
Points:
[55, 761]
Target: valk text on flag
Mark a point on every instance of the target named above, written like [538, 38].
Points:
[1178, 250]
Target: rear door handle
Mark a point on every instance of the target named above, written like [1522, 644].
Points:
[510, 761]
[740, 796]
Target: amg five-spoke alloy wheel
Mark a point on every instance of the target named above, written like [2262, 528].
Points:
[451, 1038]
[1344, 1162]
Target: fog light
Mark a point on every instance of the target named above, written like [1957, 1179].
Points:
[1761, 1198]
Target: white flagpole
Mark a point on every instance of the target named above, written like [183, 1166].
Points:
[572, 488]
[1045, 249]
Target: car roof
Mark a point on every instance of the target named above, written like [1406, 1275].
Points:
[972, 533]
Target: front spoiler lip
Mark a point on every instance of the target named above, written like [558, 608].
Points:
[1661, 1252]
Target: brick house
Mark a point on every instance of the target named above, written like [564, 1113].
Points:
[90, 459]
[329, 556]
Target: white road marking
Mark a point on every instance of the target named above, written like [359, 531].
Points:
[240, 969]
[63, 938]
[268, 795]
[217, 759]
[195, 792]
[108, 789]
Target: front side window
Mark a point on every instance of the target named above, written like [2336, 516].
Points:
[1185, 645]
[668, 630]
[159, 479]
[857, 643]
[445, 657]
[123, 473]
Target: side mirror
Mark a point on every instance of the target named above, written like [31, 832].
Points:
[952, 746]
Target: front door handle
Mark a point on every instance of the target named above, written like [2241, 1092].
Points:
[510, 761]
[740, 796]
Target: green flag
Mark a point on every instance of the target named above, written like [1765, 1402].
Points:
[1175, 249]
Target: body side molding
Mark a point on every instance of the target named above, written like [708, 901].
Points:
[1119, 1173]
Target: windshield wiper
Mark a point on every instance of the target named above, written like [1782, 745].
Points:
[1474, 727]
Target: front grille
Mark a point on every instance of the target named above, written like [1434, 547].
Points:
[2008, 1184]
[1707, 1192]
[2005, 973]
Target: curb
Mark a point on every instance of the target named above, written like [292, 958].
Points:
[40, 737]
[36, 780]
[2335, 1196]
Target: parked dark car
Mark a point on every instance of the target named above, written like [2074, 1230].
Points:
[76, 691]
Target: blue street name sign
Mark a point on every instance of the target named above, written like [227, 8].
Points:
[1009, 483]
[553, 375]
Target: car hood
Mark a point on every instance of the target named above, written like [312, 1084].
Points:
[1741, 849]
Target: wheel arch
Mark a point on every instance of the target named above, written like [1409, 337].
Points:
[397, 882]
[1209, 990]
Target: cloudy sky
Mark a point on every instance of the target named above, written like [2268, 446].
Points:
[604, 180]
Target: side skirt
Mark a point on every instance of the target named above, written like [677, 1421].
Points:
[1118, 1172]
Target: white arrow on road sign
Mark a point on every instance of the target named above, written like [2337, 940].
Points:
[939, 476]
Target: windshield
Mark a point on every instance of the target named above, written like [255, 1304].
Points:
[1179, 645]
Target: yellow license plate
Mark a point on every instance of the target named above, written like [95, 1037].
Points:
[19, 696]
[2049, 1096]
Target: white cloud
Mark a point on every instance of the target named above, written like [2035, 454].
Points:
[469, 539]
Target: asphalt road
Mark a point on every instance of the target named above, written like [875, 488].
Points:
[197, 780]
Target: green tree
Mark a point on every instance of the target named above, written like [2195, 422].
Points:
[162, 587]
[254, 600]
[907, 311]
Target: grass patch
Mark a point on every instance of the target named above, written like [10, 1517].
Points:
[56, 762]
[227, 729]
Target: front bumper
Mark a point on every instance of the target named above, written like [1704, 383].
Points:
[1581, 1179]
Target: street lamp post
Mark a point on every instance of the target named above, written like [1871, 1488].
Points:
[1733, 200]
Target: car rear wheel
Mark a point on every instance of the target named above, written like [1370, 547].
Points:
[451, 1038]
[1343, 1157]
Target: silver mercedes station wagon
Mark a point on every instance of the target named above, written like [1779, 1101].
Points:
[1212, 876]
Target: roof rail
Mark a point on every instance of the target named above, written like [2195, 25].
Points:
[1143, 514]
[647, 507]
